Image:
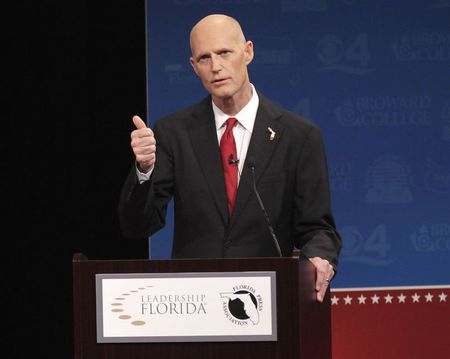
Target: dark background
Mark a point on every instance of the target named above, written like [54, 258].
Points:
[79, 76]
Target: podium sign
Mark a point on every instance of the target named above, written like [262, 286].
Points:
[211, 308]
[186, 307]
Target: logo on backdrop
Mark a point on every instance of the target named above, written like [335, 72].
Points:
[275, 56]
[431, 237]
[274, 51]
[180, 75]
[341, 176]
[422, 46]
[242, 305]
[437, 177]
[389, 181]
[372, 249]
[385, 111]
[352, 57]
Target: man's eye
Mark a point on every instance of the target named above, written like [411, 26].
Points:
[225, 53]
[203, 59]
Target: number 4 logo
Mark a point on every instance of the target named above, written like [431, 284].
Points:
[359, 50]
[353, 57]
[377, 242]
[355, 245]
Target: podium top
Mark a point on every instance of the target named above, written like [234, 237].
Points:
[80, 257]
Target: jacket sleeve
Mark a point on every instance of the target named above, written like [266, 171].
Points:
[142, 207]
[315, 229]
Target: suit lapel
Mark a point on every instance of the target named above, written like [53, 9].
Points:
[203, 137]
[261, 150]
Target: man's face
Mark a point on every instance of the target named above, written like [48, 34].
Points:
[220, 59]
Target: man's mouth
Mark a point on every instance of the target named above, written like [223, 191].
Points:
[219, 81]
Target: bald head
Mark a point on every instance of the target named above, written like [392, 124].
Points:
[220, 56]
[216, 23]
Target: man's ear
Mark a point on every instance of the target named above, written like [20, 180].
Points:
[192, 62]
[249, 54]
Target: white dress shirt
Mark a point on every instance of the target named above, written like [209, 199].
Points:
[243, 129]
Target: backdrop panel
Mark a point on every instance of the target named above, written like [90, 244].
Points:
[374, 75]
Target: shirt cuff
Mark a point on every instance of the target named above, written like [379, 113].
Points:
[143, 177]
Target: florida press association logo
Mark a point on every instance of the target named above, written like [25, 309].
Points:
[242, 305]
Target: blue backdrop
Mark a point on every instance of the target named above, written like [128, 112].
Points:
[375, 76]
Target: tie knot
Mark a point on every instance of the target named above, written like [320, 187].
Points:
[230, 123]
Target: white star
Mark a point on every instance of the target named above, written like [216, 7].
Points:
[334, 300]
[388, 298]
[401, 298]
[415, 298]
[375, 298]
[429, 297]
[442, 297]
[348, 299]
[362, 299]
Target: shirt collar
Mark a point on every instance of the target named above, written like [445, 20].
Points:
[246, 117]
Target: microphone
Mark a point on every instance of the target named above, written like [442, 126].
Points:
[251, 166]
[233, 161]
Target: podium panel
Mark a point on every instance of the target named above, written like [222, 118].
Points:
[303, 326]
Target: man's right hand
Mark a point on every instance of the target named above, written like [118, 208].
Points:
[143, 144]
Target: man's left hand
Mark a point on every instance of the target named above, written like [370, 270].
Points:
[324, 274]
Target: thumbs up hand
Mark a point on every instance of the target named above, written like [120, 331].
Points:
[143, 144]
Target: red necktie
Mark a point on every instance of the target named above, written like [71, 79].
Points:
[229, 162]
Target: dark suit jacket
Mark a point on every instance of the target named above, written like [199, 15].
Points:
[290, 173]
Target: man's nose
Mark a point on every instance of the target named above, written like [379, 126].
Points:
[216, 63]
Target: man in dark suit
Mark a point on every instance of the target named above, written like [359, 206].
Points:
[276, 150]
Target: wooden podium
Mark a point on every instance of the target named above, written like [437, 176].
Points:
[303, 324]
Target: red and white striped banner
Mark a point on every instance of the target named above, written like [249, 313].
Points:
[391, 322]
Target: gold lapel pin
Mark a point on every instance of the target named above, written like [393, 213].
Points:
[272, 133]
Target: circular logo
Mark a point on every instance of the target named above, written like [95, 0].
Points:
[237, 305]
[330, 50]
[242, 306]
